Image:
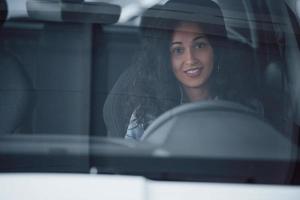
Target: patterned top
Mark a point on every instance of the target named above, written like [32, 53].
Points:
[135, 131]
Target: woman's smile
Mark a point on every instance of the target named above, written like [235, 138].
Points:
[193, 72]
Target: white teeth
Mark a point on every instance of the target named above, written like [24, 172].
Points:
[191, 71]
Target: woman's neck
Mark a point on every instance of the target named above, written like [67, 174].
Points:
[197, 94]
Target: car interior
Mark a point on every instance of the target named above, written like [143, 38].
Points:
[66, 72]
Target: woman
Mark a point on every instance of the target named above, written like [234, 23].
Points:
[179, 62]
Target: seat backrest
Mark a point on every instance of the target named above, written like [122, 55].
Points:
[16, 93]
[115, 118]
[276, 97]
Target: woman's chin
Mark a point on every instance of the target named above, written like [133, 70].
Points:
[193, 85]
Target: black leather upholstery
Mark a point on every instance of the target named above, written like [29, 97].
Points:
[276, 97]
[114, 116]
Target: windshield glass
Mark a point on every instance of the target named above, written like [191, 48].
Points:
[115, 86]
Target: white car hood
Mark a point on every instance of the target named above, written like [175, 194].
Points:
[115, 187]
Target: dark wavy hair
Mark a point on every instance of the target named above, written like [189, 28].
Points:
[154, 88]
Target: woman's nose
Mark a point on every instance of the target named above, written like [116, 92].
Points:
[190, 57]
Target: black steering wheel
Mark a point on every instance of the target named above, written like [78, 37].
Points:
[216, 129]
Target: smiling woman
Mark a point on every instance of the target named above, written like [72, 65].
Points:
[179, 63]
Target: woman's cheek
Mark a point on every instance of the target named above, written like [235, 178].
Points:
[175, 63]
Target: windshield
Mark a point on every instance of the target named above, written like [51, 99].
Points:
[162, 89]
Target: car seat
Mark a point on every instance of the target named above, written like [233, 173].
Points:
[115, 118]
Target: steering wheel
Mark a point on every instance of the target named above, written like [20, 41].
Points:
[216, 129]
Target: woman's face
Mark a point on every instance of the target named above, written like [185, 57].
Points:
[192, 56]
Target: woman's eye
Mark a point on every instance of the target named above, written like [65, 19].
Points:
[177, 50]
[200, 45]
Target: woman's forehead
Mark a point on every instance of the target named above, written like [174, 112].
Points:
[189, 27]
[187, 30]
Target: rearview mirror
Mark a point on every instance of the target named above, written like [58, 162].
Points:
[73, 11]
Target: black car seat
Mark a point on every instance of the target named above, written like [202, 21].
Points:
[276, 97]
[115, 118]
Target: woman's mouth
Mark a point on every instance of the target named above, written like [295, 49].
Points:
[193, 72]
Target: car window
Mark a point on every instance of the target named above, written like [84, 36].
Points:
[137, 87]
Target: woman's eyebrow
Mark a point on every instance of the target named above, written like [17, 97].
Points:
[173, 43]
[196, 38]
[200, 37]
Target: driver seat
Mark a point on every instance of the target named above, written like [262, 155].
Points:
[115, 118]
